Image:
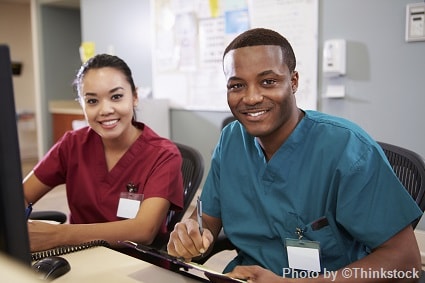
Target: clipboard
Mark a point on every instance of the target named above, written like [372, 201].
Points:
[212, 275]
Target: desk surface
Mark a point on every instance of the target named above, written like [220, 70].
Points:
[420, 238]
[106, 265]
[100, 264]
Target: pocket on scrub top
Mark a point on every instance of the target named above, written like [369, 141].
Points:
[325, 231]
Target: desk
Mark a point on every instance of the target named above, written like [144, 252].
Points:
[153, 112]
[420, 238]
[100, 264]
[63, 113]
[15, 272]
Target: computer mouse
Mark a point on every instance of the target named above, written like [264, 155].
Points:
[51, 267]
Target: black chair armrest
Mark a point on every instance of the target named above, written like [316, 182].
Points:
[51, 215]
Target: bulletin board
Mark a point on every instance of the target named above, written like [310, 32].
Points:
[191, 35]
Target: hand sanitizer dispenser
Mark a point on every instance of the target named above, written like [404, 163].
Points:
[334, 58]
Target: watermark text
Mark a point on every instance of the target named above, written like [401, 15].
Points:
[354, 272]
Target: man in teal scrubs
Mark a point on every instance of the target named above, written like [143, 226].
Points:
[294, 189]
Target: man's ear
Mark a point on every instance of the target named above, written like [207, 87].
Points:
[294, 81]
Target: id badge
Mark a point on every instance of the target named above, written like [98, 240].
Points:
[303, 254]
[129, 204]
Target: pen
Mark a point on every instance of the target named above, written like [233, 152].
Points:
[28, 211]
[199, 214]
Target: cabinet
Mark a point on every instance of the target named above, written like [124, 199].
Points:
[63, 123]
[153, 112]
[63, 113]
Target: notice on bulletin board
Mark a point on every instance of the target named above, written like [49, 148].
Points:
[297, 20]
[191, 35]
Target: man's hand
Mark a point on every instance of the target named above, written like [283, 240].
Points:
[187, 242]
[255, 274]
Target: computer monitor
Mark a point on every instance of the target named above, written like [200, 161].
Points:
[13, 227]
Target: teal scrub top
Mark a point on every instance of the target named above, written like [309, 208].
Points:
[328, 167]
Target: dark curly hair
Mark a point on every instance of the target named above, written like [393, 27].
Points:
[262, 36]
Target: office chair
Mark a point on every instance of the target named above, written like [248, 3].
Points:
[410, 170]
[51, 215]
[222, 243]
[192, 171]
[407, 165]
[227, 120]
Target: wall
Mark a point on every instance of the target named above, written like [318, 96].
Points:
[199, 129]
[56, 36]
[15, 31]
[123, 27]
[17, 34]
[385, 75]
[384, 80]
[60, 38]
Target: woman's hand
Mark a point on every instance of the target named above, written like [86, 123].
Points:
[42, 235]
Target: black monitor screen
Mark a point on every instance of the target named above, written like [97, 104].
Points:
[13, 228]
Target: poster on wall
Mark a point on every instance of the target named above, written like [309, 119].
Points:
[191, 35]
[298, 22]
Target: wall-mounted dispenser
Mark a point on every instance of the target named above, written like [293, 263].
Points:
[415, 22]
[334, 67]
[334, 58]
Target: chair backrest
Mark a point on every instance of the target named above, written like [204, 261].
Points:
[192, 171]
[227, 120]
[410, 169]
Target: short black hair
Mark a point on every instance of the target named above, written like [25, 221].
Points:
[262, 36]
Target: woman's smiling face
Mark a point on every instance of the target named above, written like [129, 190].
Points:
[108, 102]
